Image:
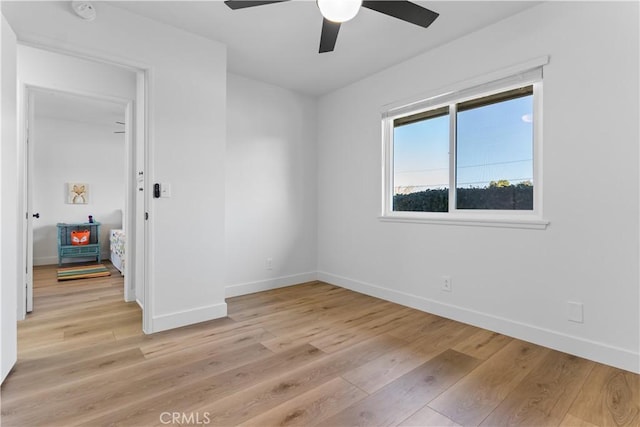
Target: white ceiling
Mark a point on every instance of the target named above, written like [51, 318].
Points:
[278, 43]
[65, 106]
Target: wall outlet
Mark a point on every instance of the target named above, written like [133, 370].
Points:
[269, 264]
[575, 312]
[446, 283]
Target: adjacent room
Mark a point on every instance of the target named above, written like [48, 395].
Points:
[78, 175]
[397, 213]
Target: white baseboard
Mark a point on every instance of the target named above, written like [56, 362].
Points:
[268, 284]
[45, 260]
[50, 260]
[188, 317]
[596, 351]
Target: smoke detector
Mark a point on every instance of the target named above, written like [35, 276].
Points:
[84, 10]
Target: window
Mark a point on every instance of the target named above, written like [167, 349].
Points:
[467, 155]
[494, 151]
[421, 162]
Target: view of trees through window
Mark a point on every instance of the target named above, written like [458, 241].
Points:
[493, 156]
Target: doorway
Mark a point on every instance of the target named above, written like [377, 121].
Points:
[76, 161]
[94, 81]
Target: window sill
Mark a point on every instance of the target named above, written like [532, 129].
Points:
[470, 221]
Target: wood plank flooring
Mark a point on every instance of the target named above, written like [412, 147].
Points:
[306, 355]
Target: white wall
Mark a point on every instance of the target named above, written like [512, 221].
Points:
[509, 280]
[9, 225]
[39, 67]
[270, 187]
[187, 129]
[68, 151]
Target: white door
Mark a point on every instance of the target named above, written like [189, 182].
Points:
[10, 276]
[30, 215]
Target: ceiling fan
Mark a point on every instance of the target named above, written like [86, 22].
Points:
[335, 12]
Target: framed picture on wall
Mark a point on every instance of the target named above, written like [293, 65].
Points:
[77, 193]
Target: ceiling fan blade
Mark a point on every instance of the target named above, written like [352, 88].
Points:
[329, 35]
[242, 4]
[404, 10]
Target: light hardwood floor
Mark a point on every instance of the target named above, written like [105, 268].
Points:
[312, 354]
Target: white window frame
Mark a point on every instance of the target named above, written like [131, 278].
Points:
[523, 75]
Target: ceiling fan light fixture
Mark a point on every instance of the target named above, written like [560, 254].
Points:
[339, 10]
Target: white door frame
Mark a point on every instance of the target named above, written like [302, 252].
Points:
[143, 118]
[28, 91]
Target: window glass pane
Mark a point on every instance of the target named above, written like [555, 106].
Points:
[494, 164]
[421, 163]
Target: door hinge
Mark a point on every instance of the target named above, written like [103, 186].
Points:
[146, 215]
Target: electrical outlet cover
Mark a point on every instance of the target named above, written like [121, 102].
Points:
[575, 312]
[165, 190]
[446, 283]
